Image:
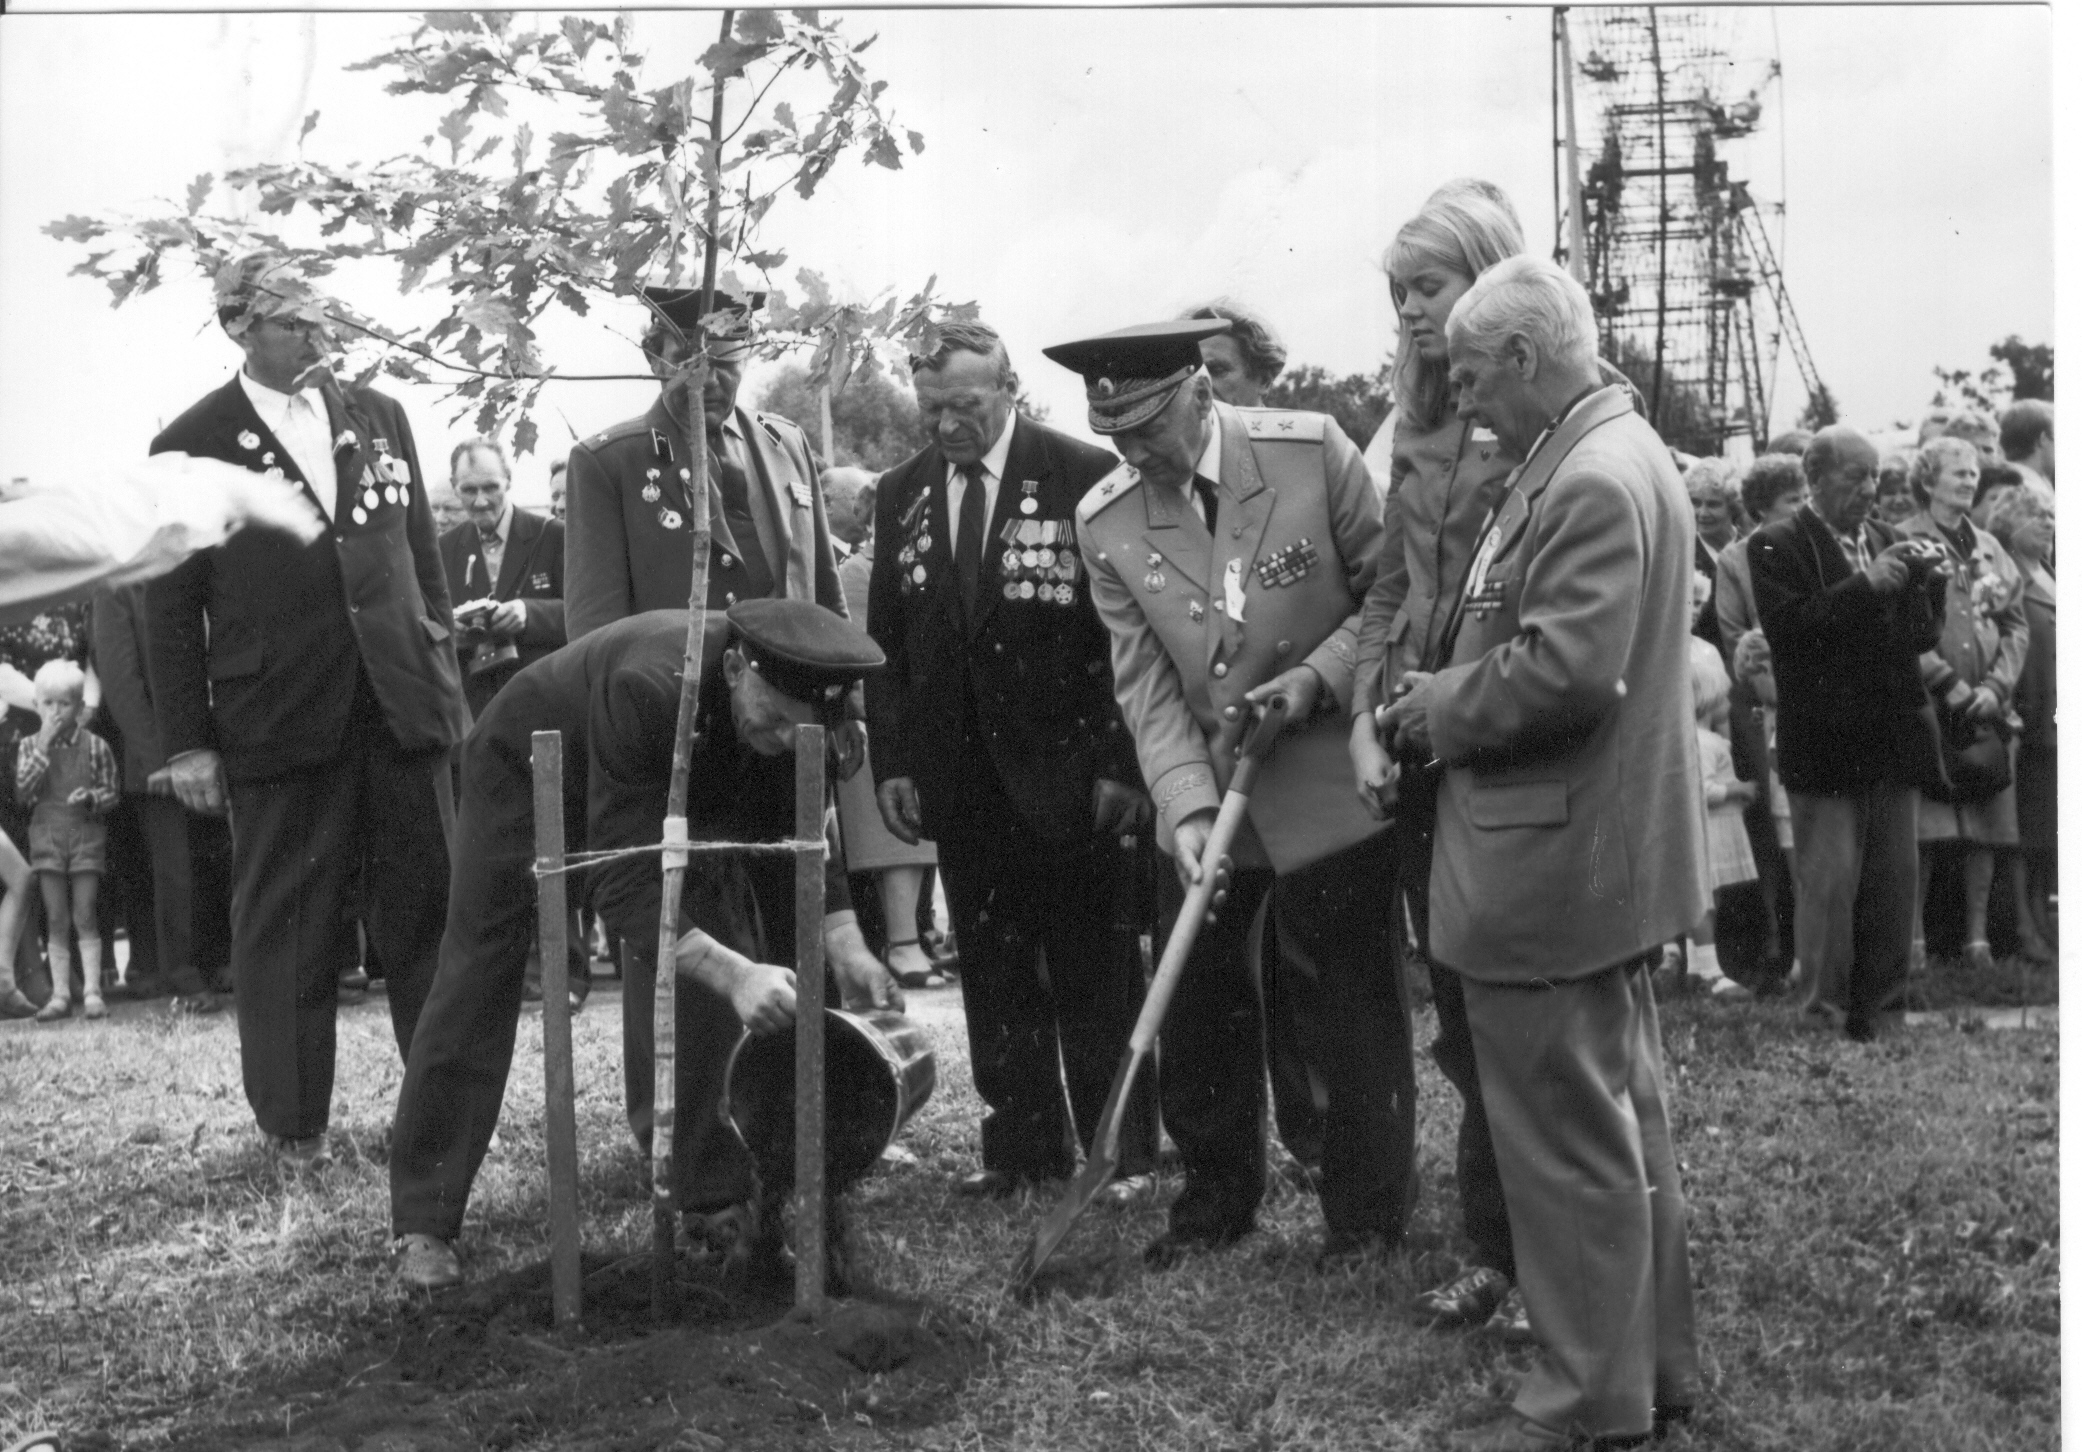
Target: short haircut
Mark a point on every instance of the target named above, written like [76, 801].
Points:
[1534, 297]
[1933, 422]
[2024, 423]
[1264, 355]
[1995, 478]
[2011, 511]
[556, 466]
[965, 337]
[1792, 441]
[60, 677]
[1932, 459]
[1721, 478]
[480, 444]
[1771, 478]
[1821, 457]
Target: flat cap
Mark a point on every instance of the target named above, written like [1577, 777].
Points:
[804, 650]
[681, 306]
[1130, 375]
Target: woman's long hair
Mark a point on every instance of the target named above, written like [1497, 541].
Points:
[1466, 226]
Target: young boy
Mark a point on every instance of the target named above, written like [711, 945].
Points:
[66, 775]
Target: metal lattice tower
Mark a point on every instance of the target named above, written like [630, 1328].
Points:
[1671, 248]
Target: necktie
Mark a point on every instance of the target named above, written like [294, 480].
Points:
[1206, 491]
[968, 535]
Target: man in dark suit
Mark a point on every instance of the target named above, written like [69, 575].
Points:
[1571, 845]
[615, 698]
[996, 734]
[505, 574]
[312, 690]
[1847, 605]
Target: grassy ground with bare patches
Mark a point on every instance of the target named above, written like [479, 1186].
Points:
[1874, 1237]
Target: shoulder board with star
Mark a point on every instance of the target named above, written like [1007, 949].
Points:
[1106, 491]
[1284, 424]
[627, 428]
[778, 427]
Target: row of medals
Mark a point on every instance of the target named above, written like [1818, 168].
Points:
[668, 517]
[1039, 546]
[395, 471]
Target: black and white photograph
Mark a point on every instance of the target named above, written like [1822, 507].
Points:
[1341, 720]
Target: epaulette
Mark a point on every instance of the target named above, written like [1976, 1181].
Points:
[608, 435]
[768, 421]
[1106, 491]
[1284, 424]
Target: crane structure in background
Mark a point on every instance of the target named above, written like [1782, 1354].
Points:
[1686, 285]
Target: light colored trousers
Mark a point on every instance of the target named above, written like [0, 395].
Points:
[1572, 1080]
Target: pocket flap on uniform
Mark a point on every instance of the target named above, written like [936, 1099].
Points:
[436, 631]
[1520, 804]
[233, 663]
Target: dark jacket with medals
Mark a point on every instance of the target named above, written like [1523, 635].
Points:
[256, 645]
[1852, 708]
[1024, 688]
[628, 525]
[531, 571]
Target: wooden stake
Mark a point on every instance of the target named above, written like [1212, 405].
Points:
[809, 1018]
[559, 1112]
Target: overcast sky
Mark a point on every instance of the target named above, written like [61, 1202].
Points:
[1083, 170]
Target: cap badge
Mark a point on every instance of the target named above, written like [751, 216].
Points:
[1104, 388]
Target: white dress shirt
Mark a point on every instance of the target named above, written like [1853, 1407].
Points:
[299, 421]
[493, 549]
[993, 475]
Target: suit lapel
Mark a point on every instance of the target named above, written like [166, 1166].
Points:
[350, 442]
[1246, 506]
[770, 505]
[1601, 407]
[1830, 563]
[521, 535]
[677, 491]
[242, 417]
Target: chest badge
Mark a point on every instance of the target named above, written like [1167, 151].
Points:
[248, 440]
[1027, 490]
[1286, 566]
[1195, 611]
[1232, 590]
[669, 518]
[800, 493]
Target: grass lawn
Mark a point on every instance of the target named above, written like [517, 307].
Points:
[1875, 1240]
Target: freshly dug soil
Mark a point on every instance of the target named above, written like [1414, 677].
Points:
[478, 1367]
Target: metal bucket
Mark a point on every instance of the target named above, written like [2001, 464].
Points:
[878, 1072]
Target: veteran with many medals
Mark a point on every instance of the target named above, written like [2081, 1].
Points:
[1229, 556]
[996, 734]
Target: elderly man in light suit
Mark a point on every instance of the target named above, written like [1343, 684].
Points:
[1571, 844]
[1228, 558]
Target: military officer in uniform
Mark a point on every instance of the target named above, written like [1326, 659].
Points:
[628, 547]
[615, 698]
[996, 734]
[1229, 555]
[627, 530]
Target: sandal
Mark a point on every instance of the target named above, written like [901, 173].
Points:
[916, 977]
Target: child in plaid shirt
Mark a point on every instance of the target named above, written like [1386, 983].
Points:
[67, 776]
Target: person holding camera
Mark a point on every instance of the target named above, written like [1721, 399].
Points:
[505, 569]
[1848, 607]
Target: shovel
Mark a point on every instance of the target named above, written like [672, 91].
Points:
[1104, 1158]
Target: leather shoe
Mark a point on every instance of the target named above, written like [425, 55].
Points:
[307, 1153]
[1173, 1246]
[1467, 1300]
[1508, 1322]
[988, 1184]
[354, 980]
[427, 1262]
[13, 1005]
[1126, 1190]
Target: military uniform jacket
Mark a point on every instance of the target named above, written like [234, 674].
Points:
[1298, 542]
[628, 527]
[531, 570]
[1571, 828]
[1030, 673]
[255, 645]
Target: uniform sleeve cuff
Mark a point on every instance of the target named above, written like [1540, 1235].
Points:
[1185, 790]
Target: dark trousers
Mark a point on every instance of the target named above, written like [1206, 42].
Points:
[1048, 977]
[1340, 914]
[462, 1051]
[1854, 865]
[165, 825]
[712, 1168]
[1483, 1214]
[1293, 1001]
[301, 844]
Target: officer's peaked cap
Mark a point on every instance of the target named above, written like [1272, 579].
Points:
[682, 307]
[1130, 375]
[803, 650]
